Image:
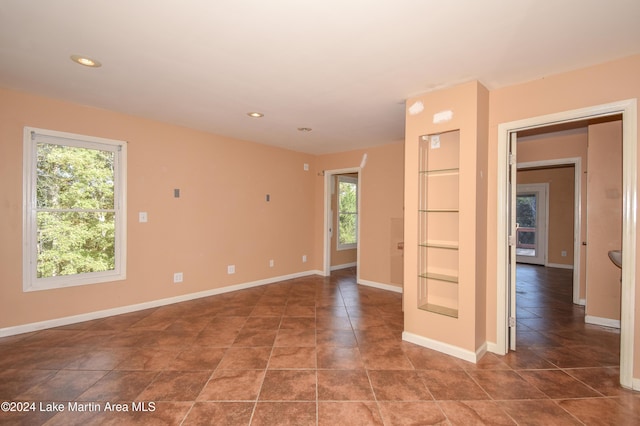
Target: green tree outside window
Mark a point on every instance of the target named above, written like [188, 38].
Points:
[75, 210]
[347, 211]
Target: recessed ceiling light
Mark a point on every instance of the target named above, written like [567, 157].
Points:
[87, 62]
[304, 129]
[255, 114]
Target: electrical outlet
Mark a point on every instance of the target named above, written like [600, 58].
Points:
[563, 253]
[304, 258]
[271, 263]
[231, 269]
[178, 277]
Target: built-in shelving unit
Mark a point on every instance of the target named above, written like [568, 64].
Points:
[446, 228]
[438, 228]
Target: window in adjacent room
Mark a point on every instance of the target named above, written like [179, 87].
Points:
[347, 212]
[75, 216]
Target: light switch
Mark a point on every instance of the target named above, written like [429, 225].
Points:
[142, 217]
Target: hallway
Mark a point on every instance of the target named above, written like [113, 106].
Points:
[551, 327]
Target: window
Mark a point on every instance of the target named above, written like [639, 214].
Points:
[75, 216]
[347, 212]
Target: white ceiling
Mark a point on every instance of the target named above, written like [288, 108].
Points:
[340, 67]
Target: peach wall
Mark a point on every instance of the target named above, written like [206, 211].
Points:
[381, 209]
[604, 216]
[382, 181]
[597, 85]
[221, 218]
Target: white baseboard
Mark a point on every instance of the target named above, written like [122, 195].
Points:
[58, 322]
[494, 349]
[635, 384]
[582, 302]
[445, 347]
[381, 286]
[605, 322]
[343, 266]
[483, 349]
[559, 265]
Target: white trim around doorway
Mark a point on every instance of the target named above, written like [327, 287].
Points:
[328, 174]
[628, 109]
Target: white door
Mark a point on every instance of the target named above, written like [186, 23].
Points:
[531, 219]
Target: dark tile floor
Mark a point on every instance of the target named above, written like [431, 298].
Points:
[317, 351]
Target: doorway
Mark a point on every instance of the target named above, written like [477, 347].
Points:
[506, 227]
[341, 224]
[579, 206]
[531, 223]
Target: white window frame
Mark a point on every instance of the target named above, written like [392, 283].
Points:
[33, 136]
[354, 180]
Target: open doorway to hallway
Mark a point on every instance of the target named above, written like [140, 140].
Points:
[569, 207]
[569, 201]
[507, 280]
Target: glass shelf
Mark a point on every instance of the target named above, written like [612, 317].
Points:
[438, 223]
[440, 277]
[438, 309]
[440, 172]
[448, 245]
[438, 210]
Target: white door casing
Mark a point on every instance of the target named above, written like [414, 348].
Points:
[513, 172]
[328, 217]
[628, 109]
